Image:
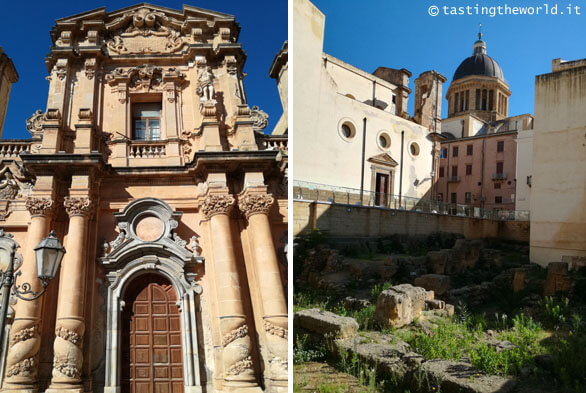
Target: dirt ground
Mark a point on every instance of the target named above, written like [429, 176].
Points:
[322, 378]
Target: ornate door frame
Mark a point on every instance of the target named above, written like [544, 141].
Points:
[130, 256]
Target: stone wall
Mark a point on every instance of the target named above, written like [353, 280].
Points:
[371, 222]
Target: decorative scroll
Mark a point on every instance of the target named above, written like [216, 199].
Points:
[260, 119]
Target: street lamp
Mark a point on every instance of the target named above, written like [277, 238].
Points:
[48, 254]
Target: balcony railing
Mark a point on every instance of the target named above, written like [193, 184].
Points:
[499, 176]
[12, 149]
[147, 149]
[454, 179]
[307, 191]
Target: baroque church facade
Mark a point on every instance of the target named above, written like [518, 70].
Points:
[153, 172]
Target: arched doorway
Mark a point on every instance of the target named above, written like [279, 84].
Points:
[151, 346]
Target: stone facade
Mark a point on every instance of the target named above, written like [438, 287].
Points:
[558, 200]
[352, 127]
[148, 164]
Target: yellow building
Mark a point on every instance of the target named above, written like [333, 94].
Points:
[172, 209]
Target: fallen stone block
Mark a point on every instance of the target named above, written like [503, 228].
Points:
[459, 377]
[325, 323]
[398, 306]
[438, 283]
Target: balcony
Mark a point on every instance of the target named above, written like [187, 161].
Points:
[147, 149]
[499, 176]
[454, 179]
[13, 148]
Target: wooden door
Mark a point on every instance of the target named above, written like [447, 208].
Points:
[151, 338]
[382, 182]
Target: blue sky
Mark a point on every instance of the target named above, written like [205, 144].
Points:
[401, 34]
[25, 38]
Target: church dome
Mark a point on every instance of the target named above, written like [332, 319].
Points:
[479, 64]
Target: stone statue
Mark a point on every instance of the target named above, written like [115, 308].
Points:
[8, 186]
[205, 84]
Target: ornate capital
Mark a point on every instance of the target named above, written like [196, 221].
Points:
[78, 206]
[251, 204]
[39, 206]
[218, 204]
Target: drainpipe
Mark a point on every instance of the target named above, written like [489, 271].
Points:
[363, 152]
[482, 177]
[374, 93]
[447, 175]
[435, 143]
[401, 168]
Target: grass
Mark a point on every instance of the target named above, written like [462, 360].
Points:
[453, 339]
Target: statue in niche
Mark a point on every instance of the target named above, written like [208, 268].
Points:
[8, 186]
[205, 84]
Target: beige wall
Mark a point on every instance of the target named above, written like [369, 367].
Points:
[364, 222]
[322, 105]
[558, 195]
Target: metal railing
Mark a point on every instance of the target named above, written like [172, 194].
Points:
[499, 176]
[307, 191]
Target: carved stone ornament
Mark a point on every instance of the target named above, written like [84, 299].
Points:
[39, 206]
[78, 206]
[24, 334]
[240, 366]
[251, 204]
[145, 31]
[231, 65]
[24, 367]
[66, 366]
[60, 69]
[68, 335]
[235, 334]
[260, 118]
[64, 39]
[85, 114]
[52, 114]
[90, 66]
[8, 186]
[218, 204]
[275, 330]
[34, 124]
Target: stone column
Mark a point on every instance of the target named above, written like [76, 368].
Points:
[256, 205]
[25, 340]
[70, 324]
[236, 343]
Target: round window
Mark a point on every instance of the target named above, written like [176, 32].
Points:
[384, 140]
[347, 131]
[414, 149]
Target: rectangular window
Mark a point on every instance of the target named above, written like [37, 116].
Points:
[444, 153]
[469, 169]
[500, 146]
[498, 199]
[441, 171]
[469, 150]
[454, 198]
[468, 197]
[147, 121]
[499, 167]
[455, 151]
[497, 186]
[455, 171]
[477, 100]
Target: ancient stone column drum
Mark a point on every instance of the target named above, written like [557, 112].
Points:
[171, 203]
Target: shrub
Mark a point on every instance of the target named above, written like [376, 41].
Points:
[555, 311]
[377, 290]
[568, 357]
[304, 352]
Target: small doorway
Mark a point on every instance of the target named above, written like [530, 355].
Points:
[382, 187]
[151, 350]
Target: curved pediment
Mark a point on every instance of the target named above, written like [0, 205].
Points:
[147, 227]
